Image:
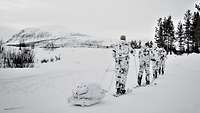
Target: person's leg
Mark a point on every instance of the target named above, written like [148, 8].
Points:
[120, 76]
[117, 87]
[117, 77]
[141, 69]
[154, 69]
[147, 70]
[123, 90]
[125, 69]
[159, 67]
[163, 67]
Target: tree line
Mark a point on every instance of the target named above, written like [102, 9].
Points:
[185, 38]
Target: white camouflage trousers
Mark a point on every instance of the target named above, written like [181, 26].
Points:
[144, 66]
[121, 68]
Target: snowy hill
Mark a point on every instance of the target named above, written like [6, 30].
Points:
[41, 37]
[30, 35]
[45, 88]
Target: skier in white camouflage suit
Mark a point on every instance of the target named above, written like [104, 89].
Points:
[144, 64]
[162, 56]
[155, 59]
[121, 55]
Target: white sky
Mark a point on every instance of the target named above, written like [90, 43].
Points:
[103, 18]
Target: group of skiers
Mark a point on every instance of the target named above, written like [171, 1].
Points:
[86, 94]
[147, 55]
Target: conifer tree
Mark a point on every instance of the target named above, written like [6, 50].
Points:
[168, 32]
[159, 37]
[187, 30]
[194, 31]
[180, 37]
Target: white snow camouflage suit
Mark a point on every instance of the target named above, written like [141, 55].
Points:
[121, 55]
[144, 64]
[162, 56]
[155, 59]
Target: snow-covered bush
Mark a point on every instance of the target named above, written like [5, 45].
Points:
[1, 46]
[1, 53]
[57, 58]
[44, 60]
[50, 46]
[51, 59]
[18, 59]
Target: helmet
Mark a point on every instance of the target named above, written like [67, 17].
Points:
[123, 37]
[146, 44]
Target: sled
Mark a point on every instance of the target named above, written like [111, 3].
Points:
[83, 102]
[86, 94]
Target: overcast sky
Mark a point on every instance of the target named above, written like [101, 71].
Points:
[102, 18]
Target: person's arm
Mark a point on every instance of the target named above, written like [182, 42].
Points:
[132, 50]
[139, 54]
[114, 51]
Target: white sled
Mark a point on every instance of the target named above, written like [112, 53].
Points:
[86, 94]
[83, 102]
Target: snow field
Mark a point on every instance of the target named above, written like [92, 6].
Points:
[45, 88]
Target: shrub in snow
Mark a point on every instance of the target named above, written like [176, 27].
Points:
[1, 46]
[51, 46]
[57, 58]
[44, 60]
[18, 59]
[51, 59]
[1, 53]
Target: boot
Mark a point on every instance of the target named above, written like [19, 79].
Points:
[118, 91]
[147, 79]
[147, 82]
[139, 80]
[163, 71]
[123, 91]
[159, 71]
[155, 75]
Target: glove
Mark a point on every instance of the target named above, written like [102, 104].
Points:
[131, 51]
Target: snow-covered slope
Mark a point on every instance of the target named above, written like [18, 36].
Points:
[43, 36]
[30, 35]
[45, 88]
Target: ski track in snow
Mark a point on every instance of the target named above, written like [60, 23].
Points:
[45, 88]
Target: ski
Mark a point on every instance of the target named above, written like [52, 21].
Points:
[83, 102]
[144, 85]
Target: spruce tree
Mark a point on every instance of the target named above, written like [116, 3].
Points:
[194, 31]
[197, 36]
[171, 34]
[168, 33]
[159, 37]
[180, 37]
[187, 30]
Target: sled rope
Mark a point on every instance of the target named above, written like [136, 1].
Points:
[135, 65]
[111, 83]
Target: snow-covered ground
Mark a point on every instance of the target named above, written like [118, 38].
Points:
[45, 88]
